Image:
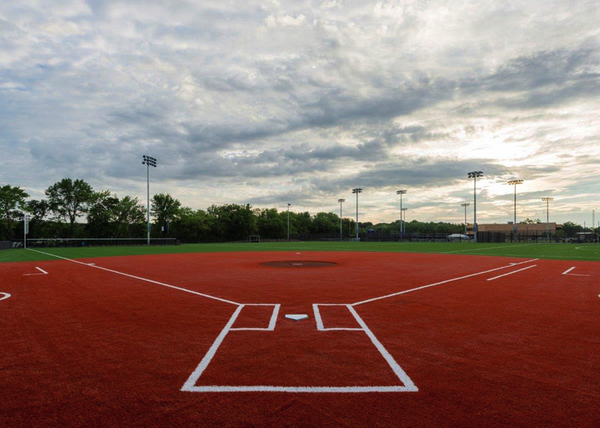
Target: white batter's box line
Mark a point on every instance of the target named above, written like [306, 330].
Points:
[407, 383]
[4, 295]
[303, 389]
[272, 321]
[319, 320]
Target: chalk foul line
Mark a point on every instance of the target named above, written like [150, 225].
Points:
[208, 296]
[435, 284]
[4, 295]
[511, 273]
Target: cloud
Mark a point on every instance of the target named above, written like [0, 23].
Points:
[265, 101]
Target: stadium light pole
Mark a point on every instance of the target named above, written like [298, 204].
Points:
[357, 190]
[148, 161]
[515, 182]
[401, 192]
[341, 201]
[288, 222]
[474, 175]
[403, 217]
[465, 205]
[548, 200]
[26, 218]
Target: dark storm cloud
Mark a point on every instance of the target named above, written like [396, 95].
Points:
[542, 79]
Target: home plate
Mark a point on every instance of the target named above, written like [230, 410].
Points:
[296, 317]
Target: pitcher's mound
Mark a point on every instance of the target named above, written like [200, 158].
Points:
[299, 264]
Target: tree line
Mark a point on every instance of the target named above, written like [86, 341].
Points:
[108, 216]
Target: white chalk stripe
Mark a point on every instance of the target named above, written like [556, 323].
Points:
[319, 320]
[208, 296]
[6, 295]
[272, 321]
[42, 272]
[435, 284]
[189, 384]
[408, 383]
[510, 273]
[573, 274]
[302, 389]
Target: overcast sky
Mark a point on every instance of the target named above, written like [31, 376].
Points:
[271, 102]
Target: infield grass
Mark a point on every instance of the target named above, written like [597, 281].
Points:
[587, 252]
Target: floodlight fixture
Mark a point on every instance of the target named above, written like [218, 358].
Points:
[465, 205]
[341, 201]
[401, 192]
[547, 200]
[148, 161]
[474, 175]
[357, 190]
[514, 183]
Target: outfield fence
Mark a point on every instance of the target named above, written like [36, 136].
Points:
[95, 242]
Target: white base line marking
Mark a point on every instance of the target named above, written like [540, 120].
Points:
[208, 296]
[42, 272]
[6, 296]
[435, 284]
[510, 273]
[573, 274]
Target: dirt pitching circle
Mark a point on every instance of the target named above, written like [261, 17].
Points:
[299, 264]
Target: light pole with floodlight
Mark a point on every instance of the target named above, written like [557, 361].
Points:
[515, 182]
[148, 161]
[401, 192]
[465, 205]
[474, 175]
[288, 222]
[548, 200]
[341, 201]
[357, 190]
[403, 218]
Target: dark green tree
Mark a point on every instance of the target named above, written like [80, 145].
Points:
[325, 223]
[164, 208]
[12, 199]
[271, 225]
[233, 222]
[129, 216]
[193, 226]
[101, 215]
[69, 199]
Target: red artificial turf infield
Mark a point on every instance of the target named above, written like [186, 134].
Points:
[83, 346]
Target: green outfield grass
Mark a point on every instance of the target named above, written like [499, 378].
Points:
[589, 252]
